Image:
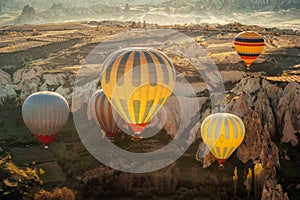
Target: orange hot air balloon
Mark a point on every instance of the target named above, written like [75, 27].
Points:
[103, 114]
[45, 114]
[249, 46]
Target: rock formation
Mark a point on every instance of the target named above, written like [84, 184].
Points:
[273, 191]
[28, 16]
[176, 110]
[277, 106]
[6, 89]
[232, 76]
[52, 81]
[30, 79]
[27, 81]
[269, 111]
[5, 78]
[288, 113]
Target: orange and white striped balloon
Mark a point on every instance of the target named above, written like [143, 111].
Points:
[100, 109]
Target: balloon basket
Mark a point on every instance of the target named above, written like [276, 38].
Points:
[46, 148]
[137, 137]
[221, 167]
[111, 137]
[220, 164]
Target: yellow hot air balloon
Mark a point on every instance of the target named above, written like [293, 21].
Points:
[137, 81]
[249, 45]
[222, 133]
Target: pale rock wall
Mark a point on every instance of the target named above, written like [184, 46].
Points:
[6, 89]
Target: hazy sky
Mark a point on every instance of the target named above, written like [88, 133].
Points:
[262, 12]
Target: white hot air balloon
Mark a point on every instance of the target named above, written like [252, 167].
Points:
[45, 114]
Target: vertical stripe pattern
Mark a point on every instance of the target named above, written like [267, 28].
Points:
[222, 133]
[249, 45]
[100, 109]
[137, 81]
[45, 113]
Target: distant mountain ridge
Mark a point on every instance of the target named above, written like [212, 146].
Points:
[242, 5]
[262, 12]
[237, 5]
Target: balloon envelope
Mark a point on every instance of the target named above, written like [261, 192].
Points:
[222, 133]
[137, 82]
[103, 114]
[249, 46]
[45, 114]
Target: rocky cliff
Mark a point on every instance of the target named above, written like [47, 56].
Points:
[270, 111]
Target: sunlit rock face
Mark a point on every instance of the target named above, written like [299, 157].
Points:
[27, 81]
[275, 109]
[6, 89]
[5, 78]
[52, 81]
[273, 191]
[288, 113]
[7, 92]
[176, 109]
[28, 74]
[249, 85]
[82, 94]
[232, 76]
[269, 111]
[66, 89]
[241, 105]
[31, 79]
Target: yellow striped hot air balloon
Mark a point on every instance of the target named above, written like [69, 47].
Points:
[249, 46]
[103, 114]
[222, 133]
[137, 81]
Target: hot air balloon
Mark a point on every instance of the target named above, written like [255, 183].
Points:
[249, 45]
[101, 111]
[222, 133]
[137, 81]
[45, 114]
